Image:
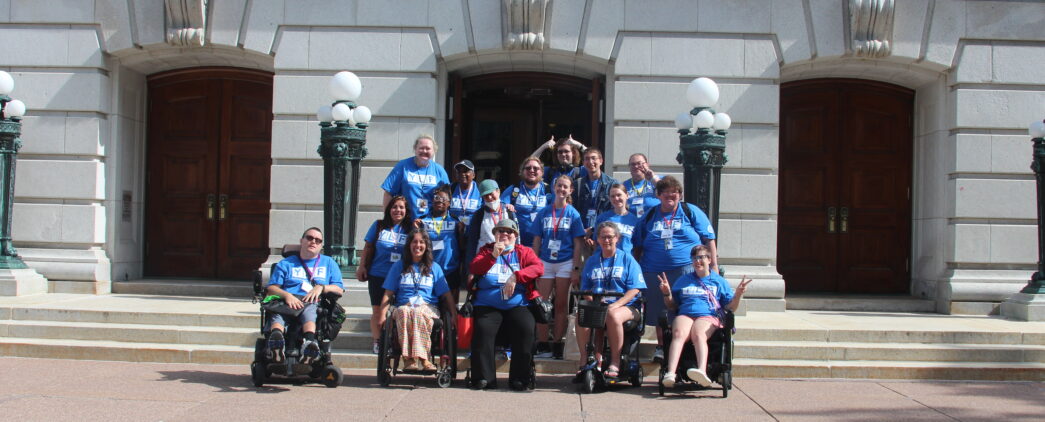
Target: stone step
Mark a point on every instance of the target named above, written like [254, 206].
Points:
[355, 295]
[889, 335]
[858, 303]
[969, 371]
[884, 352]
[358, 319]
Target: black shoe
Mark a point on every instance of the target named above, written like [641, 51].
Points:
[310, 352]
[579, 377]
[544, 350]
[479, 385]
[517, 385]
[275, 345]
[557, 350]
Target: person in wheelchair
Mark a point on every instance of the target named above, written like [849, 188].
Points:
[300, 281]
[612, 270]
[697, 297]
[416, 283]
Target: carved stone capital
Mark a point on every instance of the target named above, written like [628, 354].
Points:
[871, 27]
[523, 23]
[186, 22]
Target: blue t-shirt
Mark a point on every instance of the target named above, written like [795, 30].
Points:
[618, 273]
[552, 173]
[415, 184]
[625, 223]
[489, 287]
[443, 232]
[413, 284]
[464, 203]
[528, 202]
[388, 248]
[557, 233]
[683, 235]
[290, 275]
[641, 197]
[693, 298]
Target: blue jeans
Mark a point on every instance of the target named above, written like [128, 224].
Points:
[306, 315]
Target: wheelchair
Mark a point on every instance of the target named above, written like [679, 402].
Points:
[329, 318]
[443, 351]
[720, 358]
[592, 314]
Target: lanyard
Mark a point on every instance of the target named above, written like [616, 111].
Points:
[416, 275]
[395, 231]
[496, 216]
[507, 262]
[639, 192]
[533, 198]
[305, 266]
[438, 225]
[464, 198]
[594, 188]
[668, 222]
[712, 300]
[607, 276]
[555, 223]
[421, 179]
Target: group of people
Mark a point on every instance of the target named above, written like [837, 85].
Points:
[567, 225]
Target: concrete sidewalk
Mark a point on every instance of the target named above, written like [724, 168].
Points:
[45, 389]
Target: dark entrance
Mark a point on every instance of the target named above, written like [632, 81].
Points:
[845, 177]
[207, 172]
[501, 118]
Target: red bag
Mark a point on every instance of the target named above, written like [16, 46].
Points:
[464, 331]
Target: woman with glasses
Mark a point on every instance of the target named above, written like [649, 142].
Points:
[443, 230]
[567, 158]
[698, 298]
[415, 178]
[384, 246]
[528, 197]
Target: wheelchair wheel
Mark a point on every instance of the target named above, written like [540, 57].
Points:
[588, 383]
[257, 374]
[660, 382]
[443, 379]
[332, 376]
[636, 379]
[727, 383]
[384, 370]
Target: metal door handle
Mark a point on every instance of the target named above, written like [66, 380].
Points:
[831, 215]
[223, 206]
[845, 220]
[210, 207]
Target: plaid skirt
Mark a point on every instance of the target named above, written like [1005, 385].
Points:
[415, 329]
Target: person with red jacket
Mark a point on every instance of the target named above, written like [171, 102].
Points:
[503, 285]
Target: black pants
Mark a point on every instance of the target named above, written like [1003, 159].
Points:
[517, 326]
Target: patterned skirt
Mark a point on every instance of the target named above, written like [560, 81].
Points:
[415, 329]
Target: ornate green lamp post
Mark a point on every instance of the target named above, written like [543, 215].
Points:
[702, 152]
[342, 145]
[10, 130]
[1029, 303]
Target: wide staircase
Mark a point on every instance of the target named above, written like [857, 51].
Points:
[132, 325]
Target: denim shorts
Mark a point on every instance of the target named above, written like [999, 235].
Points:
[306, 315]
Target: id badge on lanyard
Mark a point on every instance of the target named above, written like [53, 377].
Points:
[553, 248]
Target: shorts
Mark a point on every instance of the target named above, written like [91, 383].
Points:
[557, 270]
[374, 287]
[306, 315]
[654, 298]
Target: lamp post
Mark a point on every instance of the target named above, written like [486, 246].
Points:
[702, 153]
[1037, 133]
[342, 145]
[10, 130]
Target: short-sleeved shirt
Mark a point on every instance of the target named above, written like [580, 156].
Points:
[443, 232]
[464, 202]
[655, 228]
[618, 273]
[416, 184]
[291, 276]
[692, 294]
[388, 248]
[528, 202]
[641, 196]
[489, 285]
[625, 223]
[552, 173]
[426, 287]
[557, 229]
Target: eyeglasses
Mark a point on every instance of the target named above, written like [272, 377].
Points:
[504, 232]
[531, 168]
[702, 257]
[310, 238]
[636, 164]
[438, 200]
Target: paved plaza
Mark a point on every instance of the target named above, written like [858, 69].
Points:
[46, 389]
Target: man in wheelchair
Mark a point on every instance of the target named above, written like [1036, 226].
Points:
[300, 281]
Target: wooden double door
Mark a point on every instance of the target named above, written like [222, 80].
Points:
[844, 192]
[208, 166]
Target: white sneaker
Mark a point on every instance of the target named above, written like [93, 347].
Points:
[658, 354]
[699, 376]
[669, 380]
[377, 348]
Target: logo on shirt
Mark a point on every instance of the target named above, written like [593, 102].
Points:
[625, 230]
[564, 223]
[414, 178]
[411, 279]
[542, 201]
[603, 273]
[434, 224]
[468, 204]
[300, 274]
[675, 225]
[392, 237]
[698, 291]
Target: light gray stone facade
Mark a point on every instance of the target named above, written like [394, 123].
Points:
[977, 67]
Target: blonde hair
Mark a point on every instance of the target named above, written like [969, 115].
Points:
[435, 145]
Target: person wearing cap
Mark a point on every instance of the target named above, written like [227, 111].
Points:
[464, 194]
[528, 197]
[416, 178]
[504, 273]
[480, 230]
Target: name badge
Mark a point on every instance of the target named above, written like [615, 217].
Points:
[666, 233]
[636, 201]
[466, 219]
[591, 217]
[307, 287]
[422, 204]
[417, 300]
[437, 245]
[533, 217]
[395, 257]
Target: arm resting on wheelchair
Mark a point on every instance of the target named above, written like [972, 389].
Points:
[387, 300]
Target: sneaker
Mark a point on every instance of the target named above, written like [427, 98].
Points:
[658, 354]
[669, 380]
[557, 350]
[377, 347]
[275, 345]
[699, 377]
[310, 352]
[544, 350]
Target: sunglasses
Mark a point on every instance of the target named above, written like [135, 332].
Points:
[310, 238]
[531, 168]
[702, 257]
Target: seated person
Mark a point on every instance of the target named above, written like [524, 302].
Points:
[697, 297]
[416, 283]
[301, 280]
[612, 270]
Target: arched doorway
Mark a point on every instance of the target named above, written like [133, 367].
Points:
[207, 172]
[844, 192]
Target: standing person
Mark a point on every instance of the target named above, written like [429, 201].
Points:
[300, 281]
[620, 216]
[415, 178]
[558, 237]
[442, 231]
[640, 186]
[591, 193]
[698, 297]
[567, 156]
[480, 230]
[384, 246]
[528, 196]
[662, 242]
[464, 198]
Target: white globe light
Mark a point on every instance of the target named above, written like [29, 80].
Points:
[702, 92]
[14, 108]
[324, 114]
[683, 121]
[7, 83]
[1037, 130]
[704, 119]
[345, 86]
[341, 112]
[362, 114]
[722, 121]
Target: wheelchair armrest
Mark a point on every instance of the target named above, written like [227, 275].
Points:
[334, 296]
[259, 289]
[728, 319]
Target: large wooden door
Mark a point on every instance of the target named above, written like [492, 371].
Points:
[208, 166]
[845, 177]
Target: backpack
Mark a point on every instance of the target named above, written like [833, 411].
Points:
[685, 210]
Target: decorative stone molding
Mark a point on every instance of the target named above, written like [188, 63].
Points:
[186, 22]
[871, 27]
[523, 23]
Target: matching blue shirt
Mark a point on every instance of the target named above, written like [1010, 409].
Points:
[654, 232]
[693, 294]
[388, 248]
[642, 196]
[528, 202]
[465, 202]
[558, 231]
[415, 184]
[414, 287]
[625, 223]
[489, 285]
[443, 232]
[290, 275]
[552, 173]
[618, 273]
